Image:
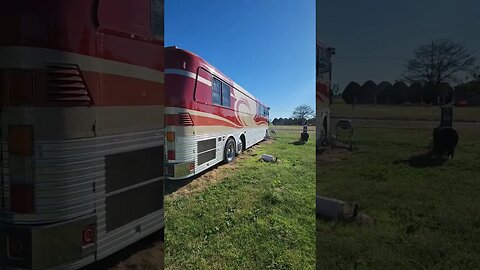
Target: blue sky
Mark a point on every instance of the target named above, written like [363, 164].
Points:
[375, 38]
[267, 46]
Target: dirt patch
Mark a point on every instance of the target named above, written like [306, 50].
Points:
[334, 155]
[151, 258]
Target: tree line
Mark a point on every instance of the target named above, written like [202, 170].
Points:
[434, 76]
[302, 115]
[292, 121]
[415, 93]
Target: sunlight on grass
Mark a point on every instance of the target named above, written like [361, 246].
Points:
[259, 216]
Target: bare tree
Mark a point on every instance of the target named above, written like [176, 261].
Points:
[442, 61]
[303, 112]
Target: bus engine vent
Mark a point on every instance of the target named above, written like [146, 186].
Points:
[65, 84]
[185, 119]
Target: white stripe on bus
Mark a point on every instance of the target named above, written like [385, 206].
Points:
[37, 58]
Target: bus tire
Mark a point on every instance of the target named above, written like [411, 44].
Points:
[229, 152]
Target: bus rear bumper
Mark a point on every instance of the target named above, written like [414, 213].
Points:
[51, 246]
[177, 171]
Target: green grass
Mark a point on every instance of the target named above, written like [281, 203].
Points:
[390, 112]
[426, 218]
[259, 216]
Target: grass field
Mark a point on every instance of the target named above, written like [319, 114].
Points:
[249, 214]
[425, 217]
[388, 112]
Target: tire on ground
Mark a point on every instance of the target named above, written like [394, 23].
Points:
[229, 152]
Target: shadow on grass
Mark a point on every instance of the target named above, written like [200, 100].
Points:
[424, 160]
[125, 253]
[173, 185]
[298, 142]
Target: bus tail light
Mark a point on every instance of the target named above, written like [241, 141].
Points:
[21, 170]
[192, 166]
[170, 136]
[171, 154]
[88, 235]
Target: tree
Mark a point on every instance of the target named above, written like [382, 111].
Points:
[368, 94]
[302, 113]
[399, 92]
[439, 62]
[415, 93]
[351, 92]
[468, 93]
[385, 90]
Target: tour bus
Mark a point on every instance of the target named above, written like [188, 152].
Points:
[82, 130]
[209, 118]
[324, 76]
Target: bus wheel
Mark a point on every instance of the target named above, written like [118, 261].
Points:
[229, 152]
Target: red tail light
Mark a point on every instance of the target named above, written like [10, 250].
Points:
[192, 166]
[21, 169]
[88, 235]
[21, 198]
[171, 155]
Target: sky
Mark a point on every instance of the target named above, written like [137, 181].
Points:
[267, 46]
[375, 38]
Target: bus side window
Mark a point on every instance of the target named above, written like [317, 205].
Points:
[216, 91]
[225, 95]
[203, 87]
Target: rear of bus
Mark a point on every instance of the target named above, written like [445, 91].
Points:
[81, 124]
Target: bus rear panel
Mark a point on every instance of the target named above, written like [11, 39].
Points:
[82, 130]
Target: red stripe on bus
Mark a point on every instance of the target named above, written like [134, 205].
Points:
[209, 121]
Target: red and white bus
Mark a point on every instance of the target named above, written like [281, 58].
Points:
[82, 130]
[209, 118]
[324, 76]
